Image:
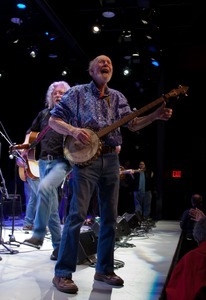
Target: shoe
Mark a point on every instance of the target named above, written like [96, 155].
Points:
[34, 242]
[111, 278]
[27, 227]
[54, 254]
[65, 285]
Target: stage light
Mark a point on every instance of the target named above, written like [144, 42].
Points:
[126, 71]
[108, 14]
[126, 35]
[16, 20]
[21, 5]
[155, 62]
[51, 36]
[33, 51]
[96, 28]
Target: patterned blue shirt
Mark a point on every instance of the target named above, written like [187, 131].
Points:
[81, 106]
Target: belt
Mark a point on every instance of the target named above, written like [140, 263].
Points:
[51, 157]
[107, 149]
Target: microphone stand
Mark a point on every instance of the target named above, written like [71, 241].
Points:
[14, 154]
[4, 194]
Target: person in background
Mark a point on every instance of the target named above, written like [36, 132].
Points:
[53, 168]
[188, 276]
[187, 225]
[186, 222]
[31, 184]
[143, 188]
[94, 105]
[126, 199]
[32, 188]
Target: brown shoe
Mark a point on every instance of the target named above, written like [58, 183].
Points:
[28, 227]
[65, 285]
[111, 278]
[33, 242]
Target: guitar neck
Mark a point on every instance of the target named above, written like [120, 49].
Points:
[130, 171]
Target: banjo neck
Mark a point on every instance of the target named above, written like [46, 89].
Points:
[173, 93]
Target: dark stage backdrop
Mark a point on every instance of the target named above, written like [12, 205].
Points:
[177, 144]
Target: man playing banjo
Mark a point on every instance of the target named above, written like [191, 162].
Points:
[95, 160]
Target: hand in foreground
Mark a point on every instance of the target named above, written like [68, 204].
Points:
[196, 214]
[163, 113]
[82, 136]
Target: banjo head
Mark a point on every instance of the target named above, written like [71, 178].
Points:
[78, 153]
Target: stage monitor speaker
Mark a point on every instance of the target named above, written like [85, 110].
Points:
[95, 228]
[122, 228]
[87, 246]
[12, 207]
[132, 220]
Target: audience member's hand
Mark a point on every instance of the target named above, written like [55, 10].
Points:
[196, 214]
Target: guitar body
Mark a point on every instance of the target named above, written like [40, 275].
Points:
[30, 166]
[22, 173]
[32, 169]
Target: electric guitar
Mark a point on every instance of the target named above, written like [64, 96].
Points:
[129, 171]
[80, 154]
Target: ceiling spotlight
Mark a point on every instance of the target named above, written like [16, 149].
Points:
[96, 28]
[64, 73]
[127, 35]
[33, 51]
[108, 14]
[21, 5]
[13, 35]
[51, 36]
[16, 20]
[145, 22]
[53, 55]
[155, 62]
[126, 71]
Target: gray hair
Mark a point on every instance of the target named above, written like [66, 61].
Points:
[48, 101]
[199, 231]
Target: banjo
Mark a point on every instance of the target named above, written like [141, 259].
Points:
[82, 155]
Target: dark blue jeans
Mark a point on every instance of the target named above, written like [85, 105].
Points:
[52, 174]
[102, 173]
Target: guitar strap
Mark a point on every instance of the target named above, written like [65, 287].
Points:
[41, 133]
[39, 137]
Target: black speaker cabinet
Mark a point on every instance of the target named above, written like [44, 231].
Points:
[95, 228]
[12, 207]
[132, 220]
[87, 246]
[123, 228]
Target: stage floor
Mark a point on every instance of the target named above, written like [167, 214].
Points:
[142, 259]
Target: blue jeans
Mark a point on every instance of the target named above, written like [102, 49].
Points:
[52, 173]
[102, 173]
[32, 201]
[142, 202]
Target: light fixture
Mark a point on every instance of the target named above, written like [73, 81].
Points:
[53, 55]
[16, 20]
[21, 5]
[155, 62]
[33, 51]
[126, 35]
[13, 35]
[96, 28]
[51, 36]
[126, 71]
[108, 14]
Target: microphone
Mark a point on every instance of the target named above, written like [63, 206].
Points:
[11, 156]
